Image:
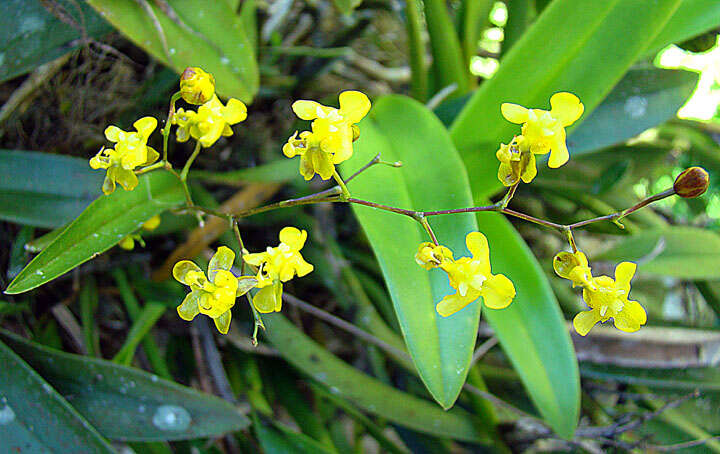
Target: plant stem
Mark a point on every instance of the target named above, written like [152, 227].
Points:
[168, 122]
[426, 225]
[150, 168]
[191, 159]
[345, 196]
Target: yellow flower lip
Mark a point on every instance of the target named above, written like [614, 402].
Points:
[211, 121]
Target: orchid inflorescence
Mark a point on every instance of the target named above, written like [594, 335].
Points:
[329, 142]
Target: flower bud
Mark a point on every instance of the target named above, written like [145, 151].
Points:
[693, 182]
[196, 85]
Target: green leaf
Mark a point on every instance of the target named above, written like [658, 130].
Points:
[200, 33]
[431, 178]
[600, 41]
[128, 404]
[30, 35]
[105, 222]
[278, 439]
[682, 252]
[679, 379]
[416, 49]
[35, 418]
[692, 18]
[644, 98]
[147, 318]
[43, 189]
[532, 331]
[364, 391]
[346, 6]
[448, 65]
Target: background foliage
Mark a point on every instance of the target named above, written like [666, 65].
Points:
[97, 360]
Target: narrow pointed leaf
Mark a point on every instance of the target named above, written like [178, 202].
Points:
[129, 404]
[431, 177]
[101, 226]
[35, 418]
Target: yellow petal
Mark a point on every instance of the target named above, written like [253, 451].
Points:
[559, 154]
[127, 243]
[293, 237]
[633, 310]
[152, 223]
[303, 268]
[354, 105]
[309, 110]
[222, 323]
[498, 292]
[477, 244]
[189, 308]
[566, 107]
[278, 296]
[528, 168]
[624, 273]
[182, 268]
[514, 113]
[108, 186]
[306, 166]
[255, 259]
[264, 299]
[235, 111]
[506, 175]
[223, 259]
[322, 163]
[113, 133]
[99, 161]
[212, 135]
[145, 126]
[452, 304]
[126, 178]
[584, 321]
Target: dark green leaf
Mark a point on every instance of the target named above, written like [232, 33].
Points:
[43, 189]
[35, 418]
[128, 404]
[31, 35]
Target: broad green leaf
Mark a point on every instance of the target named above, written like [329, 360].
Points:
[278, 171]
[532, 331]
[692, 18]
[431, 178]
[277, 439]
[644, 98]
[30, 35]
[366, 392]
[105, 222]
[679, 379]
[43, 189]
[129, 404]
[682, 252]
[197, 33]
[599, 42]
[448, 63]
[35, 418]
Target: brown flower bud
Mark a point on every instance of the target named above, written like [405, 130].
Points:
[693, 182]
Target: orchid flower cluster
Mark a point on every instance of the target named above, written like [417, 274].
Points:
[329, 142]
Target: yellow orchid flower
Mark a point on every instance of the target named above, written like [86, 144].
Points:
[516, 163]
[196, 85]
[211, 121]
[130, 151]
[277, 265]
[128, 243]
[333, 133]
[471, 277]
[213, 295]
[608, 298]
[431, 256]
[543, 131]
